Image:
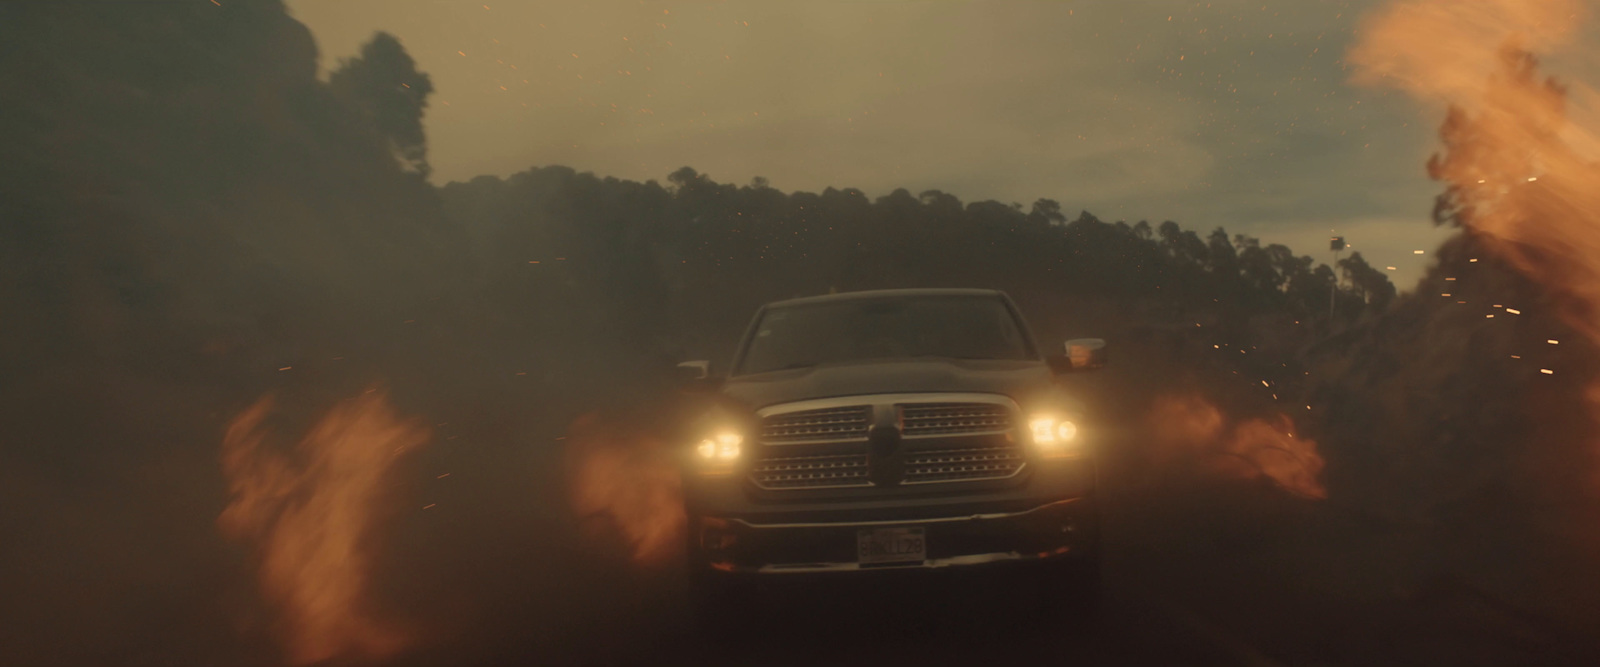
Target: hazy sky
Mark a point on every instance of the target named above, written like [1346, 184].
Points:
[1236, 114]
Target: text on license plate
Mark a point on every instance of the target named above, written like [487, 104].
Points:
[891, 545]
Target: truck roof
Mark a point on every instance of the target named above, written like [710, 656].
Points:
[885, 293]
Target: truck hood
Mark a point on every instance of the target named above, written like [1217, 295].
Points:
[1023, 381]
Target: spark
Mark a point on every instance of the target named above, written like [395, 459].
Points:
[1389, 268]
[1416, 252]
[443, 476]
[1553, 341]
[462, 52]
[1516, 356]
[430, 506]
[1547, 371]
[1513, 311]
[1473, 259]
[286, 368]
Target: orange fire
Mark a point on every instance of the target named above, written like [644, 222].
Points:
[1521, 150]
[311, 514]
[628, 479]
[1192, 429]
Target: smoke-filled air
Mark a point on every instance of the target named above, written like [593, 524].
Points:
[350, 333]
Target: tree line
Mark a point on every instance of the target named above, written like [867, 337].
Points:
[679, 265]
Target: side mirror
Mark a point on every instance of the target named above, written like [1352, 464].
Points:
[1085, 354]
[692, 371]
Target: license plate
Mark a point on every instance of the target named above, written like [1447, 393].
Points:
[891, 545]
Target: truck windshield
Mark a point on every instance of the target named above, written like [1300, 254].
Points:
[958, 327]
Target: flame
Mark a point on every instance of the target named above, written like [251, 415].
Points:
[1521, 151]
[630, 479]
[311, 514]
[1193, 429]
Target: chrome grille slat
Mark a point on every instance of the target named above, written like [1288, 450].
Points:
[930, 419]
[953, 465]
[832, 424]
[811, 472]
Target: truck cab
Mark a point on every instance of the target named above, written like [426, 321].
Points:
[894, 429]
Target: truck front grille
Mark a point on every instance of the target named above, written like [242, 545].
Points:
[924, 419]
[812, 472]
[942, 439]
[958, 465]
[829, 424]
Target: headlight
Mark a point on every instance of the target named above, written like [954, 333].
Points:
[1055, 437]
[719, 453]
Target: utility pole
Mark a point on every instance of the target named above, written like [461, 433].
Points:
[1337, 245]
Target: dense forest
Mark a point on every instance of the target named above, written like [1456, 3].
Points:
[194, 219]
[678, 266]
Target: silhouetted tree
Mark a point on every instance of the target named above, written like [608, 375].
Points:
[1371, 284]
[384, 84]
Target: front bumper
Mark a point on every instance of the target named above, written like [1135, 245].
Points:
[1049, 530]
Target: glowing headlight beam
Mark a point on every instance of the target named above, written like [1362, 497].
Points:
[1053, 436]
[720, 452]
[728, 446]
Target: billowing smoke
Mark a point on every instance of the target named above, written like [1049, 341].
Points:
[626, 484]
[1192, 432]
[1520, 150]
[1465, 413]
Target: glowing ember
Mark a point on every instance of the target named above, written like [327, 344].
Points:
[629, 479]
[311, 514]
[1251, 449]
